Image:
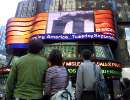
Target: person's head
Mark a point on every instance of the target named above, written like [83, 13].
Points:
[86, 54]
[55, 57]
[35, 46]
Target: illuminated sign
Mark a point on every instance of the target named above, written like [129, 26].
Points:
[18, 45]
[106, 72]
[17, 40]
[72, 70]
[111, 72]
[80, 25]
[40, 15]
[104, 22]
[19, 30]
[75, 25]
[81, 36]
[71, 22]
[13, 33]
[109, 64]
[72, 63]
[101, 63]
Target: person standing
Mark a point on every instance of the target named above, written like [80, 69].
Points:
[25, 80]
[126, 90]
[56, 75]
[86, 77]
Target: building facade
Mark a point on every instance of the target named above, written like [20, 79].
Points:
[121, 9]
[26, 8]
[73, 25]
[2, 39]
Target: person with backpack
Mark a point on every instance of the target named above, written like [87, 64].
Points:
[86, 78]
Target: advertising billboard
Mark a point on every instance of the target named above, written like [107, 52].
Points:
[71, 22]
[104, 22]
[19, 30]
[80, 25]
[73, 25]
[108, 66]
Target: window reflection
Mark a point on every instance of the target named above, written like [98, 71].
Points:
[123, 10]
[122, 7]
[103, 52]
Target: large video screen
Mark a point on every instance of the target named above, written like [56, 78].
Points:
[71, 22]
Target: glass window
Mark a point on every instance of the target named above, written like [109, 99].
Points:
[85, 4]
[103, 4]
[72, 50]
[123, 10]
[68, 49]
[103, 52]
[63, 5]
[127, 33]
[81, 47]
[100, 51]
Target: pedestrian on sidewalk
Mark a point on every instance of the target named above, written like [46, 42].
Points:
[86, 77]
[56, 75]
[25, 80]
[126, 90]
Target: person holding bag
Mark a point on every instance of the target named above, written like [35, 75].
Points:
[56, 75]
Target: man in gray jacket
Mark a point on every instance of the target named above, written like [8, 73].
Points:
[86, 77]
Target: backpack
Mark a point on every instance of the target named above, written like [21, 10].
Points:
[100, 87]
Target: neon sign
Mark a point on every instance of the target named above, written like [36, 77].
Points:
[72, 70]
[71, 63]
[101, 63]
[18, 29]
[109, 64]
[111, 72]
[104, 21]
[81, 36]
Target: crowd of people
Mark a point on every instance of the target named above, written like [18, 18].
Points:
[33, 77]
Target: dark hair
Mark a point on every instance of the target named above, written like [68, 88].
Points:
[55, 57]
[86, 54]
[35, 46]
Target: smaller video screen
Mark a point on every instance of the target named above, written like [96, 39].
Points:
[68, 49]
[103, 52]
